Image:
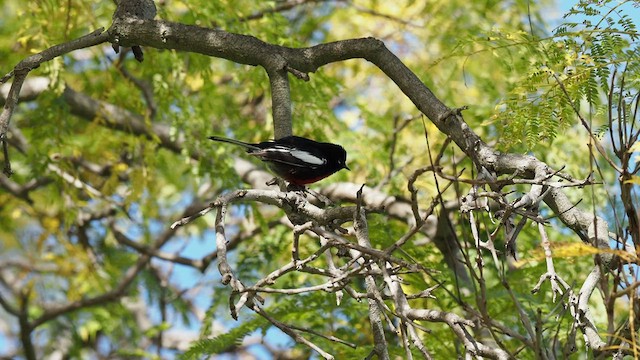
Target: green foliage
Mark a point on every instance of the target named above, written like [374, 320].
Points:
[223, 342]
[568, 73]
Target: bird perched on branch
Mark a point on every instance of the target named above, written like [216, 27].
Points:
[298, 160]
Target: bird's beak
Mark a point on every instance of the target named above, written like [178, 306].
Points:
[346, 167]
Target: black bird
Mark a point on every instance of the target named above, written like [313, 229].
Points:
[298, 160]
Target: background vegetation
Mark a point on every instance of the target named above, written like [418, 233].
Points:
[107, 153]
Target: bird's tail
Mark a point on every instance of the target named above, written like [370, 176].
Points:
[235, 142]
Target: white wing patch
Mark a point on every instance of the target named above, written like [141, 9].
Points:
[279, 148]
[307, 157]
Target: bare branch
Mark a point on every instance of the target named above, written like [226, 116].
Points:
[294, 335]
[375, 311]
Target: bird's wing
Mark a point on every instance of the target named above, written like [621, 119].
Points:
[290, 156]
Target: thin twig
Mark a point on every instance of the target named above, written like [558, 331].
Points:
[290, 331]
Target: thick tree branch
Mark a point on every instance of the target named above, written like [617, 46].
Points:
[25, 328]
[120, 119]
[280, 101]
